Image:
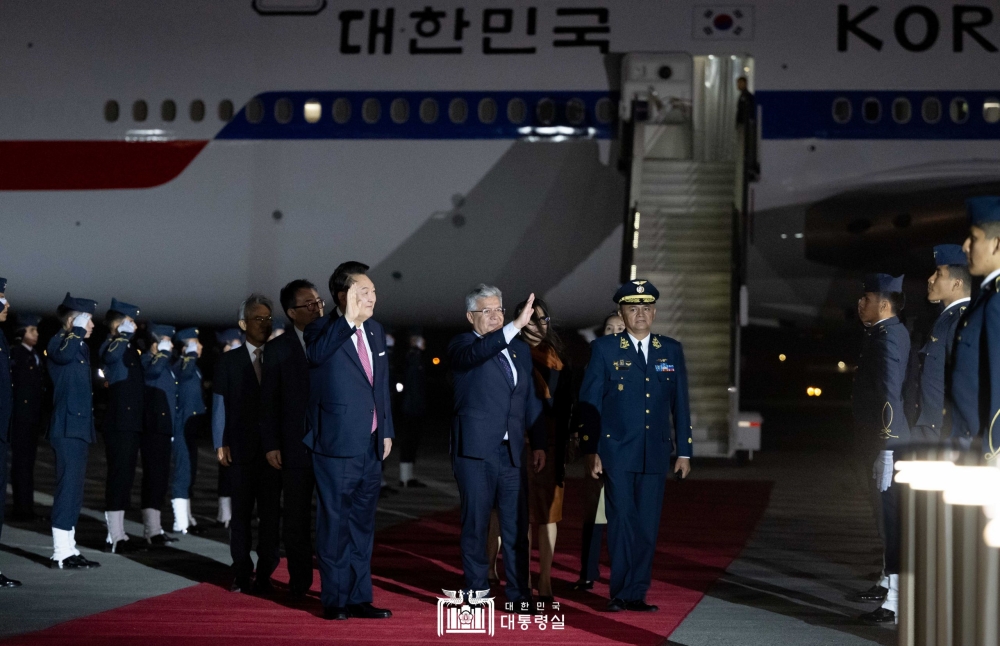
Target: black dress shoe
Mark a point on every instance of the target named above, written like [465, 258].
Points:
[240, 584]
[263, 587]
[874, 593]
[616, 605]
[335, 613]
[368, 611]
[413, 483]
[195, 530]
[640, 606]
[8, 583]
[75, 562]
[879, 616]
[583, 584]
[160, 540]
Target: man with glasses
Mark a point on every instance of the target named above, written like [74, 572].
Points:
[236, 433]
[495, 406]
[285, 396]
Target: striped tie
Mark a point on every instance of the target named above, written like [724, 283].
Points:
[366, 364]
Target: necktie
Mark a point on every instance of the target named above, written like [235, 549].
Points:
[256, 363]
[507, 372]
[642, 358]
[367, 365]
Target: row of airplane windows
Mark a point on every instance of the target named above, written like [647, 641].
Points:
[931, 110]
[546, 111]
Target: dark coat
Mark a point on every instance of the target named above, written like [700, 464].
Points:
[30, 386]
[236, 383]
[123, 371]
[932, 358]
[285, 398]
[160, 405]
[72, 386]
[877, 394]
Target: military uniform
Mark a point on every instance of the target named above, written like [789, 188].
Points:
[26, 426]
[6, 405]
[190, 418]
[160, 419]
[930, 426]
[634, 412]
[122, 366]
[71, 431]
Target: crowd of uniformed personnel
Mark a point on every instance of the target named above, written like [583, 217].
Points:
[955, 399]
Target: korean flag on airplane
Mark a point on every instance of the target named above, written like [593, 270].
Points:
[732, 22]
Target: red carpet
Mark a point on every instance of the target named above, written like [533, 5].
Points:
[705, 525]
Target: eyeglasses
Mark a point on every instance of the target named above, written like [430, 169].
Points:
[541, 319]
[489, 311]
[260, 319]
[312, 305]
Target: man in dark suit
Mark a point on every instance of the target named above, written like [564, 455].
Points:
[495, 406]
[236, 432]
[350, 433]
[27, 423]
[285, 396]
[6, 406]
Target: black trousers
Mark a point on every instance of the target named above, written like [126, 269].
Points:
[122, 451]
[192, 432]
[298, 485]
[23, 452]
[155, 450]
[3, 478]
[892, 527]
[255, 483]
[590, 554]
[225, 487]
[408, 436]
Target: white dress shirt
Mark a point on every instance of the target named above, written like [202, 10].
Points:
[993, 274]
[645, 345]
[368, 349]
[251, 348]
[509, 332]
[958, 302]
[37, 361]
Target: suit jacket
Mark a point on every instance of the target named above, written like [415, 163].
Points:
[975, 375]
[72, 390]
[486, 407]
[341, 401]
[126, 384]
[632, 417]
[160, 405]
[929, 427]
[877, 394]
[6, 393]
[30, 386]
[236, 384]
[284, 400]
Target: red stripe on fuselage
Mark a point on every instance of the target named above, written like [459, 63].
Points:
[92, 165]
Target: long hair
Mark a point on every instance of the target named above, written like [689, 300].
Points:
[551, 336]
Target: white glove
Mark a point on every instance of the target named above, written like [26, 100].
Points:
[236, 344]
[126, 327]
[882, 470]
[165, 345]
[81, 320]
[190, 346]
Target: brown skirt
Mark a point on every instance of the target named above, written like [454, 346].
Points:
[545, 497]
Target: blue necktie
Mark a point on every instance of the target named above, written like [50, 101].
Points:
[642, 358]
[506, 370]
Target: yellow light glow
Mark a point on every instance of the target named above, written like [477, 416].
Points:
[975, 486]
[312, 111]
[781, 357]
[817, 391]
[810, 391]
[435, 361]
[841, 366]
[992, 533]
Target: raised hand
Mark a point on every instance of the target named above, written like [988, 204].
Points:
[352, 304]
[525, 316]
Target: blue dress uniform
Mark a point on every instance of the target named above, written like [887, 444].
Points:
[122, 366]
[632, 411]
[6, 406]
[71, 431]
[975, 384]
[190, 415]
[30, 392]
[930, 428]
[160, 412]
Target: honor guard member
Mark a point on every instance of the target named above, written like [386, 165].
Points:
[879, 422]
[122, 368]
[634, 412]
[229, 340]
[30, 392]
[190, 418]
[949, 285]
[975, 389]
[71, 431]
[6, 406]
[160, 418]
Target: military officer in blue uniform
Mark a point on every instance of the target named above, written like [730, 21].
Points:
[27, 423]
[634, 412]
[71, 431]
[160, 418]
[949, 285]
[6, 407]
[122, 366]
[879, 422]
[975, 389]
[190, 418]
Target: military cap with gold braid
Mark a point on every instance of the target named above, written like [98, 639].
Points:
[636, 291]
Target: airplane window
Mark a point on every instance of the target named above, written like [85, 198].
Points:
[959, 110]
[901, 111]
[111, 111]
[604, 110]
[516, 110]
[342, 110]
[546, 112]
[428, 110]
[140, 110]
[991, 110]
[399, 110]
[312, 111]
[255, 110]
[576, 111]
[871, 110]
[458, 110]
[225, 110]
[487, 110]
[931, 110]
[168, 110]
[841, 110]
[283, 110]
[197, 110]
[371, 110]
